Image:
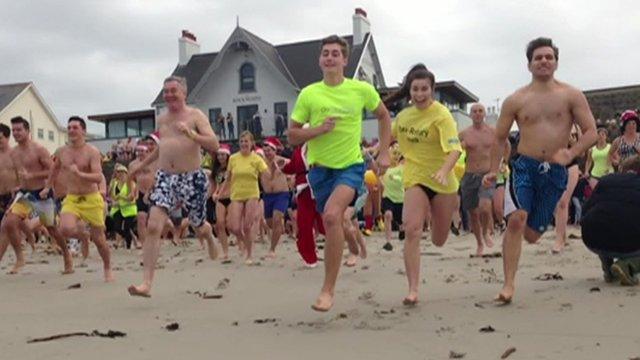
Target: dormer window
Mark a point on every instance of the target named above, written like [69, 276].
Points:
[247, 77]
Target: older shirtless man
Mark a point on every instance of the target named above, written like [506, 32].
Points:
[179, 180]
[545, 110]
[80, 164]
[276, 193]
[33, 163]
[477, 140]
[144, 179]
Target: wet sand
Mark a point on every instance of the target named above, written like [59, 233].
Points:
[233, 311]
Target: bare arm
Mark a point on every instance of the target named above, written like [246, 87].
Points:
[584, 119]
[205, 136]
[384, 135]
[613, 155]
[148, 161]
[505, 121]
[95, 169]
[45, 160]
[297, 135]
[54, 172]
[589, 162]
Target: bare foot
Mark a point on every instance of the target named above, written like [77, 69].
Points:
[67, 271]
[557, 247]
[488, 240]
[505, 296]
[108, 276]
[411, 299]
[248, 261]
[479, 251]
[363, 247]
[324, 302]
[271, 254]
[142, 291]
[16, 268]
[351, 261]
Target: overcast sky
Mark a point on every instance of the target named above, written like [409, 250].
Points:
[91, 57]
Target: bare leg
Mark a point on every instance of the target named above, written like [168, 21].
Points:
[150, 251]
[204, 232]
[142, 227]
[413, 218]
[350, 237]
[486, 220]
[562, 210]
[332, 218]
[100, 240]
[359, 238]
[388, 217]
[476, 228]
[235, 222]
[61, 237]
[511, 250]
[221, 227]
[277, 228]
[250, 218]
[11, 234]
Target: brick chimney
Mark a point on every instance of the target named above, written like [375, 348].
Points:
[361, 26]
[187, 47]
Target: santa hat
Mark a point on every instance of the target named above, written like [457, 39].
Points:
[224, 149]
[155, 136]
[273, 142]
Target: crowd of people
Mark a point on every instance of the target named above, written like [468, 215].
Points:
[421, 174]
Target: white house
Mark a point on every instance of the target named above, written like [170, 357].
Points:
[250, 75]
[23, 99]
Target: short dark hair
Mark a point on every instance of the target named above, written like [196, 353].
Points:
[538, 43]
[335, 39]
[80, 120]
[21, 120]
[5, 130]
[631, 164]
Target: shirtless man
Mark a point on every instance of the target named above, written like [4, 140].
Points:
[80, 164]
[144, 179]
[477, 140]
[183, 131]
[8, 178]
[545, 110]
[276, 193]
[8, 174]
[33, 163]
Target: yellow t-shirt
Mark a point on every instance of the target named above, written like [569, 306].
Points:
[339, 148]
[425, 138]
[245, 171]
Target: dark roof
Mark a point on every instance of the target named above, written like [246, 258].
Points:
[192, 71]
[457, 91]
[298, 62]
[9, 92]
[123, 115]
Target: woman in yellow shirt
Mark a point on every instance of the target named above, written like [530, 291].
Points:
[243, 172]
[429, 142]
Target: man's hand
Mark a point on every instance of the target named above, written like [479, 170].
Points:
[44, 193]
[188, 132]
[489, 179]
[73, 168]
[562, 157]
[24, 175]
[328, 125]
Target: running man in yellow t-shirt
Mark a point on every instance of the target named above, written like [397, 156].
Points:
[428, 139]
[333, 108]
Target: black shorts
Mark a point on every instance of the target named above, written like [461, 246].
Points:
[140, 204]
[427, 190]
[225, 202]
[395, 208]
[5, 203]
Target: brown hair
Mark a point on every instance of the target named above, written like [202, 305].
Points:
[631, 164]
[248, 134]
[418, 71]
[335, 39]
[538, 43]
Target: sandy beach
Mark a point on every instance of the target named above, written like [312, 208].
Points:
[232, 311]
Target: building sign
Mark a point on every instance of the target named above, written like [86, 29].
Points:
[247, 99]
